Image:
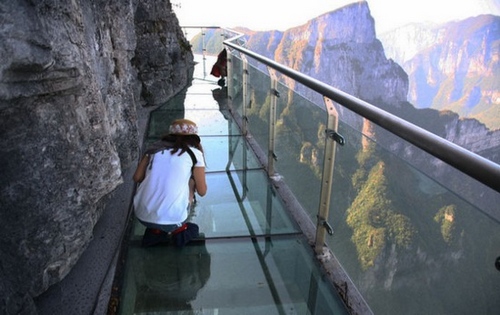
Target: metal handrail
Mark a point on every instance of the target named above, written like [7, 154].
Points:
[472, 164]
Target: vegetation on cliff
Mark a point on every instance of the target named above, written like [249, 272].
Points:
[375, 220]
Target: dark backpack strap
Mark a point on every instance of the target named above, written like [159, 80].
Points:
[193, 157]
[163, 145]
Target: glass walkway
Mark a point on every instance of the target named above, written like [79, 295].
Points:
[251, 257]
[395, 238]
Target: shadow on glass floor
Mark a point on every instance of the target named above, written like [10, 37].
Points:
[233, 276]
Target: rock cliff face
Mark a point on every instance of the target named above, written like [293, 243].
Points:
[453, 66]
[330, 49]
[73, 78]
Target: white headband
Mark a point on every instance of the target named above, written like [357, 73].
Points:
[183, 129]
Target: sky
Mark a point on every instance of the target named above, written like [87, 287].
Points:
[260, 15]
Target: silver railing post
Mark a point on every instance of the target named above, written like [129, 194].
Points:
[245, 96]
[229, 77]
[272, 122]
[203, 52]
[331, 139]
[244, 126]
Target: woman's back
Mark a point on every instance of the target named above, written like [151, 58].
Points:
[164, 193]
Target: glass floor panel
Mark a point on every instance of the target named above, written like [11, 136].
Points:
[211, 122]
[202, 86]
[228, 152]
[236, 276]
[201, 101]
[237, 204]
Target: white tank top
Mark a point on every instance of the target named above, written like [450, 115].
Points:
[163, 195]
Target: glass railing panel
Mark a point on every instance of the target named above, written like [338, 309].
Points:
[235, 88]
[238, 276]
[299, 147]
[257, 109]
[409, 244]
[299, 139]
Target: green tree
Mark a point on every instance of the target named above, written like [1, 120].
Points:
[446, 217]
[374, 219]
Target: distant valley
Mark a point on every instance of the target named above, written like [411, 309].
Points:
[453, 66]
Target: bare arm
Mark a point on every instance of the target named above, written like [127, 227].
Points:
[199, 179]
[140, 172]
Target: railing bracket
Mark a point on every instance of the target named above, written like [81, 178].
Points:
[275, 92]
[327, 226]
[335, 136]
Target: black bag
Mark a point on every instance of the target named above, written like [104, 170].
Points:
[187, 234]
[179, 237]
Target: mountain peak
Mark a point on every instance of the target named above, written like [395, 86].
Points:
[338, 24]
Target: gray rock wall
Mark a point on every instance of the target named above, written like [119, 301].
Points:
[74, 77]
